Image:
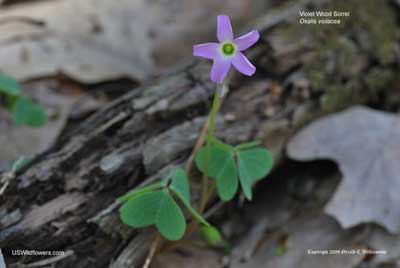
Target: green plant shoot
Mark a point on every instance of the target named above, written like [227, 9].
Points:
[24, 111]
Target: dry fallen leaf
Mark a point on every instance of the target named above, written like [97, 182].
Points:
[306, 236]
[366, 145]
[90, 41]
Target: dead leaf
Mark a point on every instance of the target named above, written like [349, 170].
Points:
[90, 41]
[366, 145]
[305, 235]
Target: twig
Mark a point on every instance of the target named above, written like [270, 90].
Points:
[118, 118]
[152, 251]
[5, 179]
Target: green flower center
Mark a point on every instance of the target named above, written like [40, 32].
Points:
[228, 49]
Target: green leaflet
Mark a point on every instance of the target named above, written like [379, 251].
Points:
[170, 220]
[256, 162]
[27, 113]
[9, 86]
[154, 205]
[243, 162]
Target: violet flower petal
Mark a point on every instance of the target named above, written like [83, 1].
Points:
[243, 65]
[245, 41]
[219, 70]
[224, 29]
[207, 50]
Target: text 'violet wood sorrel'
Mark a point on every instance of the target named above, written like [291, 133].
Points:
[228, 165]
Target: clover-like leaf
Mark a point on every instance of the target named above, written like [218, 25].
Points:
[157, 208]
[27, 113]
[253, 165]
[180, 187]
[221, 167]
[9, 86]
[228, 165]
[154, 205]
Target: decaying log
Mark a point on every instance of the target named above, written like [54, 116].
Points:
[65, 199]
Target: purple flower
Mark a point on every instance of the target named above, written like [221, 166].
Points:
[228, 51]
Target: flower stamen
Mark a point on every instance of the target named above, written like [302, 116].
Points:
[228, 49]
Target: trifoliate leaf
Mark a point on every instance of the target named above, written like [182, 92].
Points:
[9, 86]
[211, 235]
[143, 190]
[157, 208]
[170, 220]
[180, 187]
[250, 165]
[27, 113]
[222, 168]
[253, 165]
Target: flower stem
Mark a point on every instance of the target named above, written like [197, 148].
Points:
[210, 134]
[206, 192]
